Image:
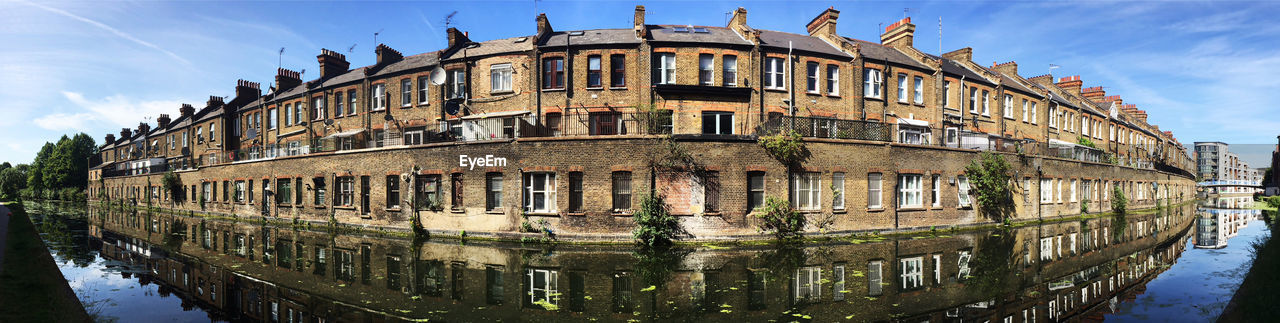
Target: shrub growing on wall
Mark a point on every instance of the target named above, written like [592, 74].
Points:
[788, 149]
[779, 219]
[1118, 201]
[173, 184]
[989, 179]
[655, 226]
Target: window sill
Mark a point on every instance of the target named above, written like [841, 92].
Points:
[833, 95]
[503, 92]
[840, 211]
[618, 87]
[391, 209]
[711, 213]
[319, 207]
[875, 210]
[553, 90]
[457, 211]
[911, 209]
[542, 214]
[918, 104]
[378, 110]
[813, 93]
[345, 207]
[576, 213]
[810, 211]
[873, 98]
[622, 214]
[495, 211]
[903, 102]
[775, 89]
[406, 106]
[594, 88]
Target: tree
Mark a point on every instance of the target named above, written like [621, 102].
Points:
[990, 177]
[12, 180]
[35, 177]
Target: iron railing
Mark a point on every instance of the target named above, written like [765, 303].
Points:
[810, 127]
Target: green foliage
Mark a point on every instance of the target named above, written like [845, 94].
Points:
[1272, 201]
[12, 181]
[63, 164]
[655, 226]
[779, 219]
[1084, 141]
[1084, 206]
[788, 148]
[173, 185]
[1118, 201]
[990, 183]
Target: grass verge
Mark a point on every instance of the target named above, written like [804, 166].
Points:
[32, 287]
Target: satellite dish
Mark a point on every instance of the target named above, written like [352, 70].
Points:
[388, 117]
[437, 76]
[253, 132]
[452, 106]
[328, 122]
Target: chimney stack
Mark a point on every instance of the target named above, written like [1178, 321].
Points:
[824, 23]
[332, 63]
[287, 79]
[126, 133]
[1094, 94]
[738, 22]
[962, 55]
[544, 26]
[143, 128]
[638, 22]
[1070, 84]
[899, 35]
[111, 138]
[386, 55]
[214, 101]
[163, 121]
[248, 90]
[1006, 68]
[187, 110]
[456, 38]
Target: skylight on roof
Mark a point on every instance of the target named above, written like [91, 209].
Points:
[521, 39]
[575, 33]
[680, 29]
[700, 30]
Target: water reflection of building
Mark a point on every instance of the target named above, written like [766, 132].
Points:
[1215, 226]
[242, 271]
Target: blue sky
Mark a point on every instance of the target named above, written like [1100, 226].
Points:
[1204, 70]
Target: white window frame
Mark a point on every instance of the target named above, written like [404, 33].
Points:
[946, 94]
[833, 79]
[873, 83]
[910, 193]
[875, 190]
[875, 276]
[986, 103]
[775, 73]
[549, 288]
[812, 74]
[911, 272]
[935, 190]
[1008, 107]
[500, 77]
[548, 192]
[962, 264]
[902, 88]
[406, 92]
[973, 100]
[1025, 103]
[806, 185]
[423, 91]
[918, 94]
[962, 191]
[666, 65]
[379, 97]
[838, 195]
[1034, 112]
[729, 70]
[1073, 191]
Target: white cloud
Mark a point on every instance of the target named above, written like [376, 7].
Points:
[112, 30]
[118, 110]
[64, 121]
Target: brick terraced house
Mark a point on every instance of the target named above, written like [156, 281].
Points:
[566, 130]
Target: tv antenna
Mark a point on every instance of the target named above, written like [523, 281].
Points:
[375, 35]
[907, 10]
[351, 49]
[280, 58]
[448, 19]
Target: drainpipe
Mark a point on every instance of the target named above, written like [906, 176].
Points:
[791, 84]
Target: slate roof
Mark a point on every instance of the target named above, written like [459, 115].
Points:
[408, 63]
[256, 103]
[877, 52]
[714, 35]
[778, 39]
[592, 37]
[493, 47]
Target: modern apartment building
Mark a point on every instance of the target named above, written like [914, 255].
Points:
[568, 128]
[1215, 163]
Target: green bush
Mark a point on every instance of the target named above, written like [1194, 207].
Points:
[173, 184]
[655, 226]
[1273, 201]
[1118, 201]
[990, 181]
[779, 219]
[788, 148]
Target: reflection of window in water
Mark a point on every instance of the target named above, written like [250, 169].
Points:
[344, 264]
[622, 298]
[543, 284]
[837, 274]
[808, 283]
[393, 272]
[494, 286]
[284, 252]
[430, 277]
[874, 277]
[962, 265]
[756, 281]
[577, 291]
[456, 271]
[366, 257]
[911, 272]
[321, 260]
[697, 288]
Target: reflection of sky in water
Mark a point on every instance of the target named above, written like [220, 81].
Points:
[1198, 286]
[117, 296]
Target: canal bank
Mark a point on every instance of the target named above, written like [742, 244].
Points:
[32, 288]
[1256, 300]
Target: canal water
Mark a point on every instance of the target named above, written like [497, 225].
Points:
[1176, 264]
